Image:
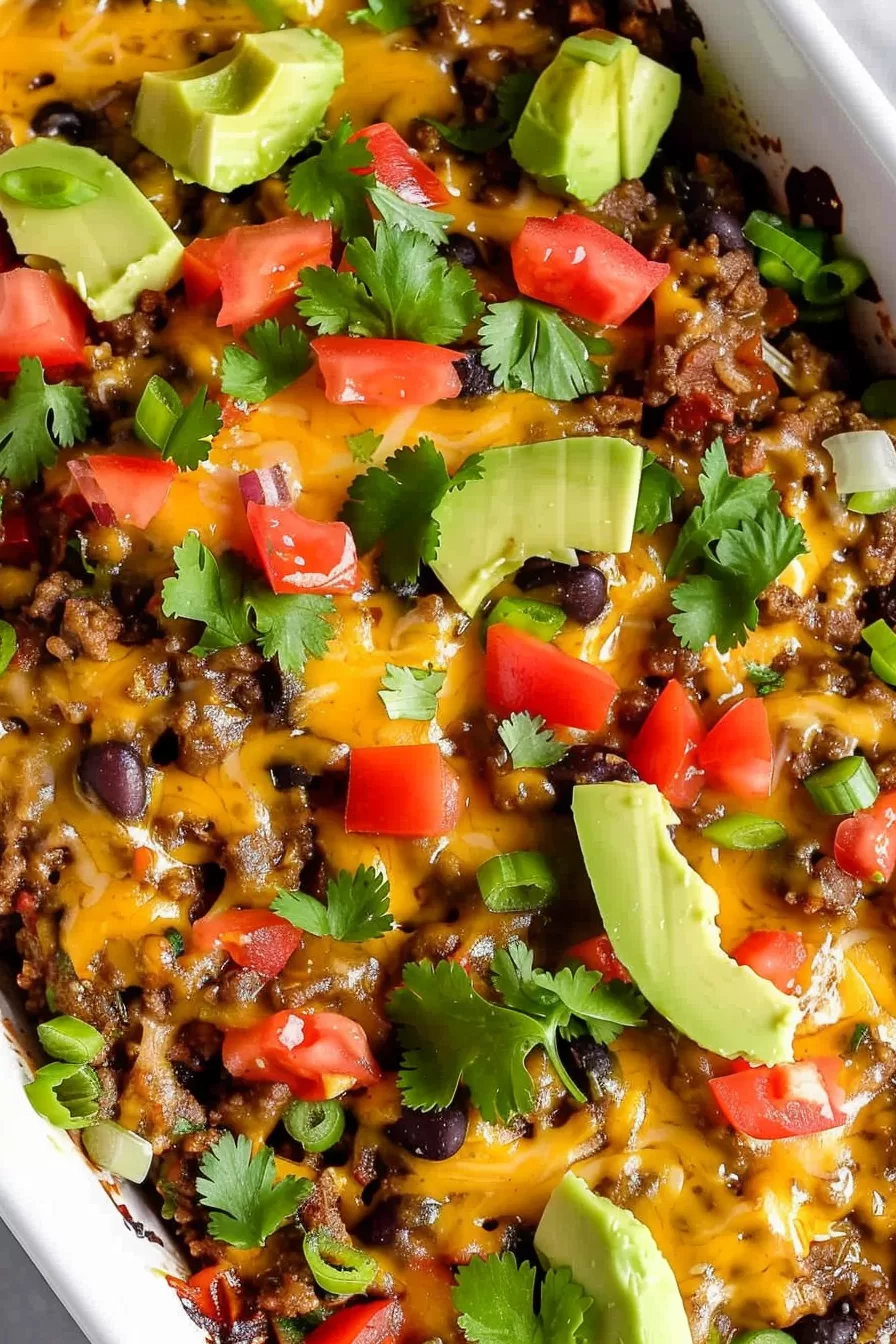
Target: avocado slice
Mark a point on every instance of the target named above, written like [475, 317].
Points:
[548, 499]
[634, 1295]
[236, 118]
[661, 916]
[110, 247]
[595, 116]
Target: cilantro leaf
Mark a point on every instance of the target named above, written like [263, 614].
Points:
[292, 628]
[357, 907]
[572, 1001]
[531, 745]
[387, 15]
[494, 1299]
[36, 420]
[363, 446]
[398, 213]
[659, 488]
[328, 187]
[8, 645]
[189, 441]
[764, 678]
[401, 288]
[279, 355]
[707, 606]
[761, 549]
[473, 139]
[727, 501]
[411, 692]
[513, 94]
[528, 345]
[240, 1187]
[202, 589]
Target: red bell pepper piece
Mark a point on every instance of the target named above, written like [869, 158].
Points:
[737, 751]
[865, 844]
[17, 545]
[580, 266]
[783, 1101]
[406, 790]
[775, 955]
[123, 489]
[665, 751]
[40, 317]
[523, 673]
[318, 1055]
[374, 1322]
[399, 168]
[257, 939]
[373, 372]
[214, 1292]
[301, 555]
[596, 954]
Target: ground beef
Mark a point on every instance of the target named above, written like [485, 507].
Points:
[822, 885]
[50, 594]
[88, 628]
[627, 209]
[747, 457]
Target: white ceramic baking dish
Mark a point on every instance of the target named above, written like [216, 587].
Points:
[102, 1249]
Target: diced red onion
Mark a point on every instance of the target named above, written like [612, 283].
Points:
[268, 485]
[87, 484]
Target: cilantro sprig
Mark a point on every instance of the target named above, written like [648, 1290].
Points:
[764, 678]
[36, 420]
[363, 445]
[357, 907]
[659, 490]
[527, 345]
[276, 357]
[512, 95]
[387, 15]
[182, 434]
[449, 1033]
[411, 692]
[495, 1301]
[239, 1186]
[531, 745]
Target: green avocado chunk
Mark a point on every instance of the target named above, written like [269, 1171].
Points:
[634, 1296]
[239, 116]
[110, 246]
[661, 916]
[595, 116]
[548, 499]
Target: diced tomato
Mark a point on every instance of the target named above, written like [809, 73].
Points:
[364, 369]
[16, 540]
[596, 954]
[665, 751]
[580, 266]
[42, 317]
[783, 1101]
[141, 863]
[406, 790]
[255, 266]
[301, 555]
[318, 1055]
[399, 168]
[774, 954]
[122, 489]
[214, 1292]
[257, 939]
[737, 751]
[374, 1322]
[692, 413]
[523, 673]
[779, 311]
[865, 844]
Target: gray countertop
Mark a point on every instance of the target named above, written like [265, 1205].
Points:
[30, 1312]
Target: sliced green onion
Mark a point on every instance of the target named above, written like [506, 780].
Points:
[337, 1266]
[47, 188]
[882, 640]
[158, 412]
[843, 786]
[859, 1035]
[879, 400]
[71, 1040]
[836, 281]
[118, 1150]
[520, 881]
[746, 831]
[779, 364]
[602, 48]
[65, 1094]
[819, 314]
[176, 941]
[8, 645]
[762, 1337]
[771, 234]
[872, 501]
[316, 1125]
[777, 273]
[864, 460]
[542, 619]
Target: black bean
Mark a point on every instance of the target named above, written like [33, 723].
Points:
[286, 777]
[590, 1064]
[840, 1326]
[588, 765]
[65, 119]
[382, 1226]
[538, 573]
[881, 602]
[475, 379]
[273, 692]
[711, 219]
[583, 593]
[435, 1135]
[113, 773]
[461, 249]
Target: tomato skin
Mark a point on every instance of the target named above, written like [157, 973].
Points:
[130, 489]
[580, 266]
[374, 1322]
[737, 751]
[783, 1101]
[397, 167]
[865, 844]
[201, 278]
[524, 673]
[775, 955]
[596, 954]
[257, 939]
[665, 751]
[364, 370]
[40, 317]
[301, 555]
[317, 1055]
[407, 790]
[213, 1292]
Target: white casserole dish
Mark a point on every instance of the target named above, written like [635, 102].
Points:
[799, 82]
